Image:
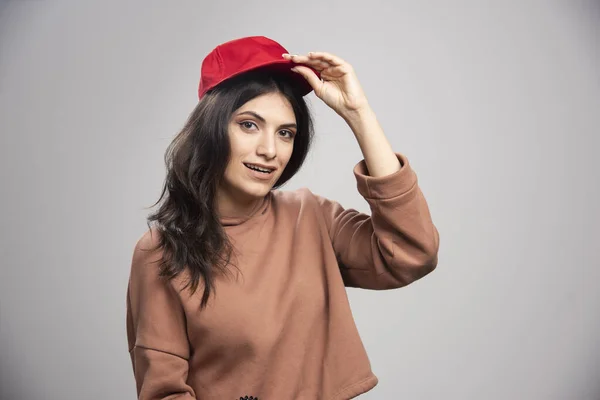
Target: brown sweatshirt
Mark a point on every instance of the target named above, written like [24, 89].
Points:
[283, 330]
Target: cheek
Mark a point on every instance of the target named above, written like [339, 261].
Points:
[234, 163]
[241, 145]
[237, 150]
[286, 153]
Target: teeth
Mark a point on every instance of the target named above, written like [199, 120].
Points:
[258, 168]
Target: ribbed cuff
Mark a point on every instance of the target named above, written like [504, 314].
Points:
[385, 187]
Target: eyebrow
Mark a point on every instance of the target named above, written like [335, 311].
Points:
[261, 119]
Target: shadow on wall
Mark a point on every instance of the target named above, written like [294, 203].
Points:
[4, 7]
[11, 385]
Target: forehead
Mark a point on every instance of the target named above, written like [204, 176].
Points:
[271, 106]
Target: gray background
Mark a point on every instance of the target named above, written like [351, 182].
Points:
[496, 104]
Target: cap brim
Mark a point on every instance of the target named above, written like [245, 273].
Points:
[284, 66]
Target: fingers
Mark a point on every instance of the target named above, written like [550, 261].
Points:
[299, 59]
[317, 60]
[328, 57]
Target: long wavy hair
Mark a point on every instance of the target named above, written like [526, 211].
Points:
[191, 235]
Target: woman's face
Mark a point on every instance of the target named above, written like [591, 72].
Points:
[261, 134]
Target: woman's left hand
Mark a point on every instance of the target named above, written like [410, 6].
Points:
[338, 87]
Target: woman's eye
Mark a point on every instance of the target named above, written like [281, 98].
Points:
[288, 134]
[247, 124]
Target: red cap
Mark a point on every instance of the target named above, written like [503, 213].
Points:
[241, 55]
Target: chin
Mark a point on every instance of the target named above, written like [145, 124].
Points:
[259, 191]
[254, 190]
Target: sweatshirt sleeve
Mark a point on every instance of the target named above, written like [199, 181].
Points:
[156, 330]
[394, 246]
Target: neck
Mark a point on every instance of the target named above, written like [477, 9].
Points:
[230, 205]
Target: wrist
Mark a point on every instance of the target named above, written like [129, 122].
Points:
[358, 118]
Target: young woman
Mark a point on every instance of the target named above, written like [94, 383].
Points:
[237, 290]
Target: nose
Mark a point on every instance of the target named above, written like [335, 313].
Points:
[267, 146]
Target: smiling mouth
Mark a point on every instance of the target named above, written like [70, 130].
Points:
[265, 171]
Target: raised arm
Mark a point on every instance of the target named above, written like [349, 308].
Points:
[395, 245]
[398, 243]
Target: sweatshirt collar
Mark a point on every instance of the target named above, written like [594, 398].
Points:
[238, 220]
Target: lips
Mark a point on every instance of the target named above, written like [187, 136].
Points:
[258, 175]
[265, 169]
